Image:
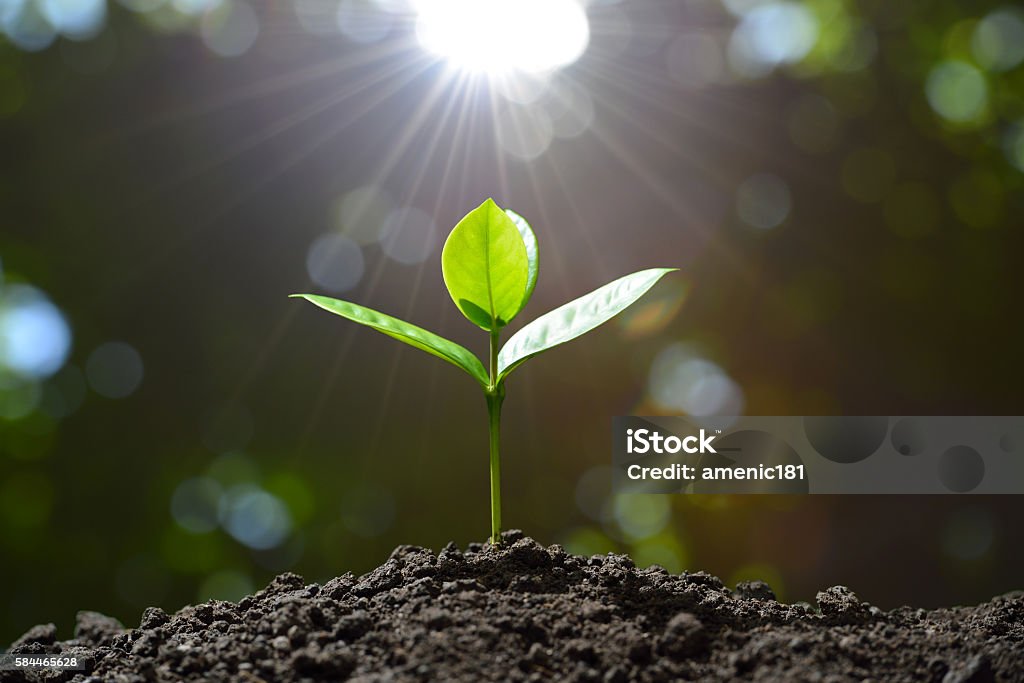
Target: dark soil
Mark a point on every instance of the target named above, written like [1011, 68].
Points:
[524, 612]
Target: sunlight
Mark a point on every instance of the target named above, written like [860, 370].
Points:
[499, 37]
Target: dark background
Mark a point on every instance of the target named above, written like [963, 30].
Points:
[165, 197]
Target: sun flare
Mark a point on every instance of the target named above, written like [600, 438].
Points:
[500, 37]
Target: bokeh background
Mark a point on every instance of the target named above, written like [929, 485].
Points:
[840, 182]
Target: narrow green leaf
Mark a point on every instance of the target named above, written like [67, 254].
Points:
[532, 257]
[575, 318]
[402, 331]
[485, 266]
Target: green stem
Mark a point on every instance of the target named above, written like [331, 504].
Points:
[495, 396]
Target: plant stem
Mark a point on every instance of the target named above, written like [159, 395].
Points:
[495, 396]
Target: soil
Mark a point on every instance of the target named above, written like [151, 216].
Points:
[523, 612]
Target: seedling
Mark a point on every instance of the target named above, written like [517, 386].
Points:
[490, 266]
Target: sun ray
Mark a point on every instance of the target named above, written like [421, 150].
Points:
[253, 141]
[328, 383]
[399, 52]
[160, 256]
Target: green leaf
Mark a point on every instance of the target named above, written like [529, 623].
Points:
[485, 266]
[532, 258]
[402, 331]
[575, 318]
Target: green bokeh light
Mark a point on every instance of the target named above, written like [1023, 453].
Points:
[958, 92]
[998, 40]
[227, 584]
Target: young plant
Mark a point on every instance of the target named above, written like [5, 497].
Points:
[490, 266]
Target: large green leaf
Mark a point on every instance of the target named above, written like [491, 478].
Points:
[532, 257]
[485, 266]
[402, 331]
[575, 318]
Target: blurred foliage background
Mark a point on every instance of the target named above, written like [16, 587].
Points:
[841, 182]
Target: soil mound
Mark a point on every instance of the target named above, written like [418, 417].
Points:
[523, 612]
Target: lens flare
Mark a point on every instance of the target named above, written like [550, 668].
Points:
[498, 37]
